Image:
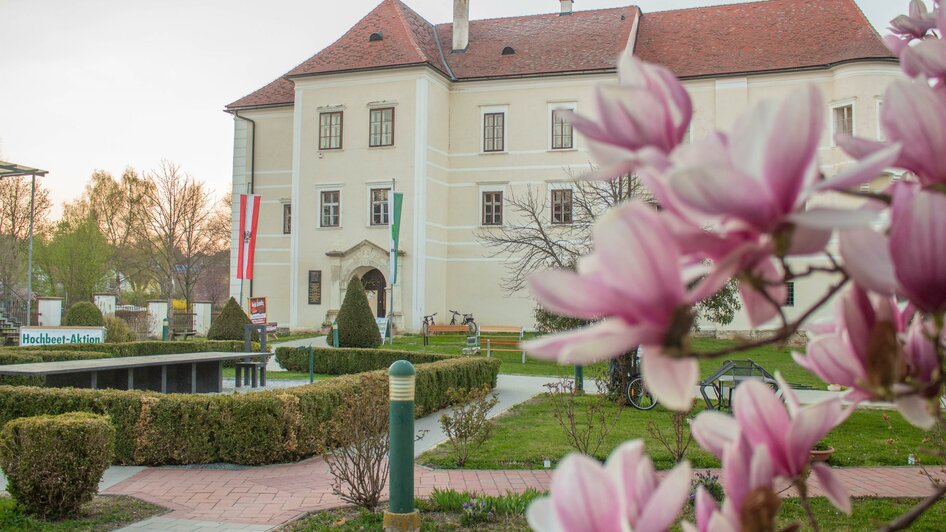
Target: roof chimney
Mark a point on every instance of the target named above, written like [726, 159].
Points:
[566, 7]
[461, 25]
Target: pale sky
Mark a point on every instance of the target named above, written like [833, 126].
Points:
[102, 84]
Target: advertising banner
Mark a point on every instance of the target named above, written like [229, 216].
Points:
[397, 199]
[37, 336]
[258, 310]
[249, 220]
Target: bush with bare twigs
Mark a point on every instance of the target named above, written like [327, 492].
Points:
[467, 426]
[586, 422]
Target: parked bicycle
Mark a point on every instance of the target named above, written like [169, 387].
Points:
[466, 320]
[428, 321]
[637, 393]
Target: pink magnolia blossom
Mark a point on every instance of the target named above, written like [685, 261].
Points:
[745, 469]
[624, 495]
[640, 120]
[842, 357]
[912, 260]
[922, 370]
[788, 431]
[916, 24]
[636, 284]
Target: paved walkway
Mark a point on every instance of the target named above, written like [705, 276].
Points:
[263, 497]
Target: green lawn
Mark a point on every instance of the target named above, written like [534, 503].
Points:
[770, 357]
[229, 373]
[868, 514]
[529, 433]
[103, 513]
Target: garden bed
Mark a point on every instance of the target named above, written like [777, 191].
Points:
[529, 433]
[105, 512]
[258, 428]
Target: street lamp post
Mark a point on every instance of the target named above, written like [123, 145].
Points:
[401, 516]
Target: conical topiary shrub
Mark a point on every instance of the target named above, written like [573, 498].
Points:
[356, 324]
[229, 324]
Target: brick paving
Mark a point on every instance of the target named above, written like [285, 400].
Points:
[270, 496]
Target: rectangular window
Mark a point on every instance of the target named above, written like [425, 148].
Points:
[493, 132]
[844, 119]
[562, 206]
[562, 138]
[381, 127]
[330, 131]
[331, 208]
[286, 219]
[493, 208]
[789, 294]
[379, 206]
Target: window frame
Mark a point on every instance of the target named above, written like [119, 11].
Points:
[561, 106]
[571, 204]
[501, 204]
[493, 110]
[287, 218]
[880, 131]
[371, 114]
[338, 205]
[386, 205]
[834, 126]
[341, 130]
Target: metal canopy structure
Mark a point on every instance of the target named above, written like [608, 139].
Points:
[18, 170]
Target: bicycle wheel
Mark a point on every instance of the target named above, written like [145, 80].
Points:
[473, 328]
[639, 396]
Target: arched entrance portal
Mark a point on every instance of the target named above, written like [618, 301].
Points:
[375, 289]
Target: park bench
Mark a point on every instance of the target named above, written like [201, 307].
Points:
[248, 370]
[177, 373]
[464, 330]
[182, 325]
[508, 341]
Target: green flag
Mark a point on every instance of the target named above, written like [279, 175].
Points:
[397, 199]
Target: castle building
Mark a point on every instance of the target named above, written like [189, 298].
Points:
[461, 117]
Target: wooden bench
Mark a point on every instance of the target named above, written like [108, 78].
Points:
[183, 325]
[502, 344]
[430, 330]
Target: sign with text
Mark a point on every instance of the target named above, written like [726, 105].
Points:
[61, 335]
[383, 327]
[315, 287]
[258, 310]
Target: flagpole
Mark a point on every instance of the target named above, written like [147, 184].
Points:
[393, 260]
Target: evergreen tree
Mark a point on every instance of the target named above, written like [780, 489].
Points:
[356, 324]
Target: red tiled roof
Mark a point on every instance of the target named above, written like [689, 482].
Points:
[582, 41]
[758, 37]
[728, 39]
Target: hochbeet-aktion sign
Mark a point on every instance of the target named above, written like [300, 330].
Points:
[61, 335]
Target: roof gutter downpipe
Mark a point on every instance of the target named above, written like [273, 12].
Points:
[251, 186]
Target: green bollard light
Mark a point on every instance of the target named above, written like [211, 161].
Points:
[311, 364]
[401, 517]
[580, 379]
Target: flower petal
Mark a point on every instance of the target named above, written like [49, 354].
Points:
[763, 419]
[792, 146]
[825, 218]
[918, 246]
[715, 431]
[569, 294]
[671, 380]
[807, 428]
[831, 360]
[833, 488]
[594, 343]
[622, 465]
[584, 496]
[665, 504]
[867, 258]
[918, 411]
[760, 308]
[862, 171]
[541, 516]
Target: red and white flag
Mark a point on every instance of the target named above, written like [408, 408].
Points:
[249, 219]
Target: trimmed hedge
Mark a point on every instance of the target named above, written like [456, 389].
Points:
[137, 349]
[357, 326]
[84, 314]
[54, 463]
[229, 324]
[346, 361]
[254, 428]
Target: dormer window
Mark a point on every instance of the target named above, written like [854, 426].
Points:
[509, 50]
[376, 36]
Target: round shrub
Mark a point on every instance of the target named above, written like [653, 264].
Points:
[84, 314]
[117, 331]
[229, 324]
[54, 463]
[356, 324]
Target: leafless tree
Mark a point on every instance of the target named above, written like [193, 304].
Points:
[531, 242]
[173, 230]
[15, 225]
